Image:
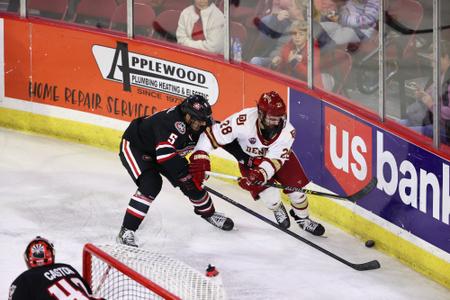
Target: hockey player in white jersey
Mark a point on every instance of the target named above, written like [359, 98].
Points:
[261, 139]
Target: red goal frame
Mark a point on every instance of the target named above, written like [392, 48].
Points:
[90, 250]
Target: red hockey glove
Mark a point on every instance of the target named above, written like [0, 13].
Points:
[252, 162]
[254, 177]
[199, 164]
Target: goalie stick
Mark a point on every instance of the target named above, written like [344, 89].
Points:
[352, 198]
[371, 265]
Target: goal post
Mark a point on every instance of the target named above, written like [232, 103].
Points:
[123, 272]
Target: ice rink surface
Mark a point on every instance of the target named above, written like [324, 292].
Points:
[75, 194]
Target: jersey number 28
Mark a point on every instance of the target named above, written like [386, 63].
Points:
[225, 127]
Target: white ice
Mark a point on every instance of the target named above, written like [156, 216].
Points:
[75, 194]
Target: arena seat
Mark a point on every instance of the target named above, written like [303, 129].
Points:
[337, 63]
[96, 13]
[144, 15]
[238, 30]
[53, 9]
[165, 25]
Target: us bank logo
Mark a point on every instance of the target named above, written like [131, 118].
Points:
[348, 150]
[133, 69]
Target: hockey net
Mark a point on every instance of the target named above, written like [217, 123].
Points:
[122, 272]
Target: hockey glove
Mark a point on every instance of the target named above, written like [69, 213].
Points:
[254, 162]
[189, 188]
[255, 177]
[251, 162]
[199, 164]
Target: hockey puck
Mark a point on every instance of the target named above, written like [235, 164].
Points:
[211, 271]
[370, 243]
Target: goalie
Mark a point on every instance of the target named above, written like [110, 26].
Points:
[47, 280]
[260, 138]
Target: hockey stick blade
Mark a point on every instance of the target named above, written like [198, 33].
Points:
[364, 191]
[371, 265]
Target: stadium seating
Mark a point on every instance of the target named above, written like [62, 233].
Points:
[144, 16]
[96, 13]
[338, 64]
[165, 25]
[52, 9]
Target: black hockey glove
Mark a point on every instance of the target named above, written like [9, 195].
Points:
[189, 188]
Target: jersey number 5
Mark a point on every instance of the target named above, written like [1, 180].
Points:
[172, 138]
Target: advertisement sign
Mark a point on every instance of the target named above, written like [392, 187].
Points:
[133, 69]
[413, 190]
[102, 75]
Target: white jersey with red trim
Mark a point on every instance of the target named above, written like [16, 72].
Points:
[244, 127]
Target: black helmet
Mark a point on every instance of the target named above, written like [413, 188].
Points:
[198, 108]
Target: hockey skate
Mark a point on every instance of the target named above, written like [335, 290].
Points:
[126, 237]
[220, 221]
[281, 216]
[308, 225]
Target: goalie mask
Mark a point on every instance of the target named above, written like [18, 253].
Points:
[39, 252]
[199, 111]
[271, 114]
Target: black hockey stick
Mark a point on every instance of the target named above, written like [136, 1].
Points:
[352, 198]
[371, 265]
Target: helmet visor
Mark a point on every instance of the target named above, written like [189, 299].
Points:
[198, 125]
[270, 121]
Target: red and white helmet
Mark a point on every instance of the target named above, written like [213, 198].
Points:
[272, 114]
[39, 252]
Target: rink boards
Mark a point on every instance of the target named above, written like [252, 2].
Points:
[86, 86]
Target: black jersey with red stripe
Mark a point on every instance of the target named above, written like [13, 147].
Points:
[165, 138]
[56, 281]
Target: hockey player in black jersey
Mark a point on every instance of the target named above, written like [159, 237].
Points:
[156, 145]
[45, 279]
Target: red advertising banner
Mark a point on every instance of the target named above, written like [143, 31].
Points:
[347, 150]
[117, 78]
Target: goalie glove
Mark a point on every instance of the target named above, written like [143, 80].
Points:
[199, 164]
[255, 177]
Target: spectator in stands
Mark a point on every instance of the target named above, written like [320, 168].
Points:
[278, 6]
[243, 11]
[274, 25]
[292, 58]
[420, 113]
[201, 26]
[274, 29]
[355, 21]
[326, 9]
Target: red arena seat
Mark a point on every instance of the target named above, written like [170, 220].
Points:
[53, 9]
[165, 25]
[95, 13]
[144, 15]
